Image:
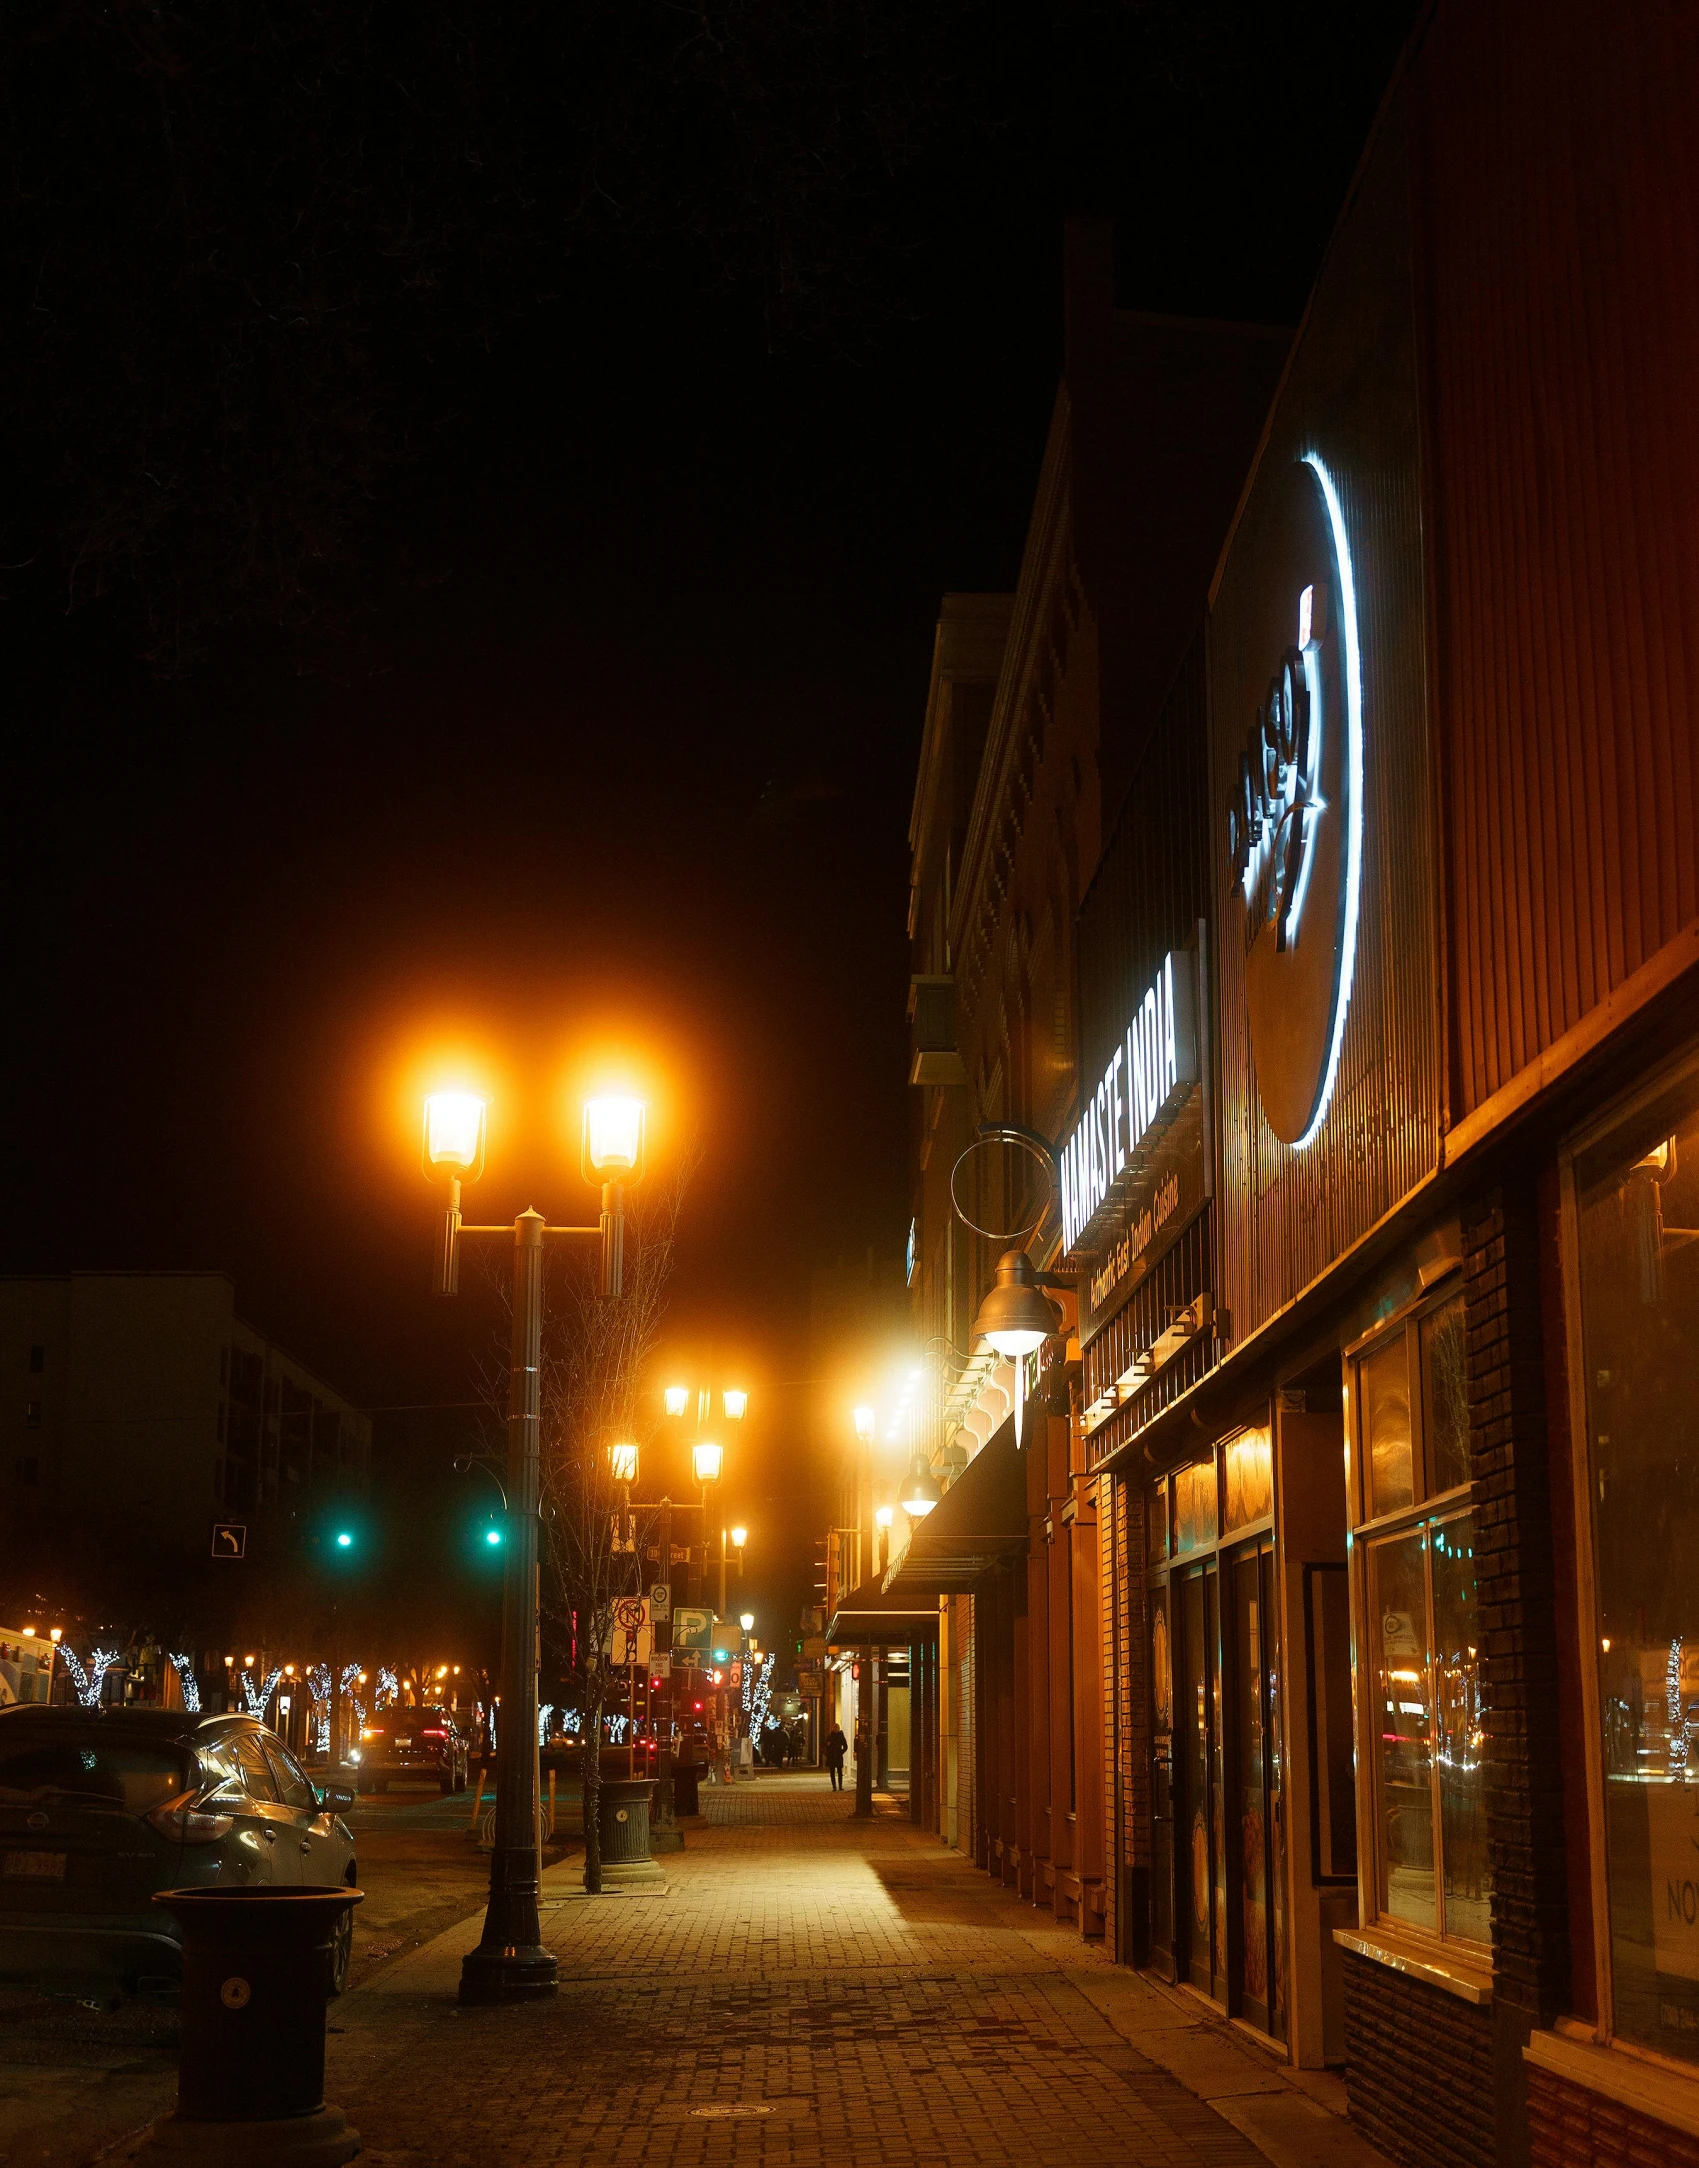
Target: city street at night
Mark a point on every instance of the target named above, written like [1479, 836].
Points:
[849, 1297]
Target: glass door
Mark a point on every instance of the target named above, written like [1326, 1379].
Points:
[1258, 1791]
[1161, 1783]
[1204, 1805]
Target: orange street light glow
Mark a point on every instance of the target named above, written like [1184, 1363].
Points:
[454, 1129]
[864, 1422]
[613, 1136]
[677, 1398]
[740, 1536]
[734, 1404]
[706, 1461]
[624, 1459]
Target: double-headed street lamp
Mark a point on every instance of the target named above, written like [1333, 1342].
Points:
[510, 1963]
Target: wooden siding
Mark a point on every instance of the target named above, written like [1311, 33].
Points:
[1560, 220]
[1283, 1216]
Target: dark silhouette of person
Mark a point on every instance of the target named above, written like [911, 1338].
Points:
[837, 1746]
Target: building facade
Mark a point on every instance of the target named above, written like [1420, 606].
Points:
[1038, 713]
[142, 1404]
[1386, 1249]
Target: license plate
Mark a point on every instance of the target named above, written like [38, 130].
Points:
[404, 1742]
[35, 1866]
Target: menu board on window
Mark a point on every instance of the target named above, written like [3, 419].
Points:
[1672, 1814]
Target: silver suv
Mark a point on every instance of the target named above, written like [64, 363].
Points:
[99, 1808]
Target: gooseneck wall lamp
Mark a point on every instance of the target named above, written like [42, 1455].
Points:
[1016, 1318]
[510, 1963]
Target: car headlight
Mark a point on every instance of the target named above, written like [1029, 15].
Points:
[353, 1753]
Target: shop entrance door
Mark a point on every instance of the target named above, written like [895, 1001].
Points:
[1258, 1790]
[1199, 1725]
[1162, 1784]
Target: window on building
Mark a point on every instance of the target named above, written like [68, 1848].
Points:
[1416, 1540]
[1636, 1228]
[37, 1360]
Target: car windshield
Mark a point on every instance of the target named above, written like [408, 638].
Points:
[86, 1766]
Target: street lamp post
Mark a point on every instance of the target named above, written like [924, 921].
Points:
[510, 1963]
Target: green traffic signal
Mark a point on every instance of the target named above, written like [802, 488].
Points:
[344, 1541]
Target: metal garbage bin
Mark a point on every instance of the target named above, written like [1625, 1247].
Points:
[687, 1779]
[256, 1977]
[622, 1817]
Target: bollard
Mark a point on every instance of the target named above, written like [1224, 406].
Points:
[256, 1977]
[477, 1802]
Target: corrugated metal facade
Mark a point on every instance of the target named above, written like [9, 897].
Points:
[1560, 215]
[1284, 1215]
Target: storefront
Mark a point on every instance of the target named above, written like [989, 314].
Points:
[1395, 1427]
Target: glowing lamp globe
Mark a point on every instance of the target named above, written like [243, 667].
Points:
[706, 1461]
[454, 1134]
[734, 1404]
[865, 1419]
[676, 1399]
[746, 1619]
[624, 1459]
[1015, 1316]
[920, 1494]
[740, 1536]
[613, 1138]
[885, 1516]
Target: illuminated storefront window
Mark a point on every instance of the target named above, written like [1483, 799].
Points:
[1423, 1710]
[1636, 1222]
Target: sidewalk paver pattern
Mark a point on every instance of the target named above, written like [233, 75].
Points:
[809, 1990]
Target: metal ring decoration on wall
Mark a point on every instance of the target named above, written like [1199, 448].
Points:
[1029, 1141]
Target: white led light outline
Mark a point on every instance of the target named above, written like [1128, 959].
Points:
[1354, 821]
[1314, 803]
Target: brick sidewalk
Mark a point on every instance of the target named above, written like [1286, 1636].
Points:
[808, 1991]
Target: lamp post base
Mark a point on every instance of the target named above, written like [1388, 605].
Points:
[507, 1975]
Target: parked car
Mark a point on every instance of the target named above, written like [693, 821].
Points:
[99, 1808]
[413, 1746]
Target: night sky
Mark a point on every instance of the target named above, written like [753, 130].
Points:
[482, 509]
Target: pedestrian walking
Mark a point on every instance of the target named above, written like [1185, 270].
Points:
[837, 1746]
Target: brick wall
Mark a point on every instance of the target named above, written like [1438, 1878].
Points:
[1126, 1648]
[967, 1790]
[1418, 2069]
[1510, 1466]
[1109, 1543]
[1572, 2128]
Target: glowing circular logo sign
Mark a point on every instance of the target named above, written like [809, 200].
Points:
[1295, 813]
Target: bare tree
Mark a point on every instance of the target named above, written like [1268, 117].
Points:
[596, 1358]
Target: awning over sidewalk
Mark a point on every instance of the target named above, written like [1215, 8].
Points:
[869, 1618]
[980, 1519]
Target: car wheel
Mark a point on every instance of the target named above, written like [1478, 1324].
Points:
[342, 1952]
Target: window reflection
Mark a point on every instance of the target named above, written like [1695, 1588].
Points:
[1385, 1387]
[1637, 1200]
[1461, 1732]
[1447, 1396]
[1403, 1743]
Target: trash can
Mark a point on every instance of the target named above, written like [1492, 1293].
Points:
[622, 1817]
[256, 1978]
[687, 1778]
